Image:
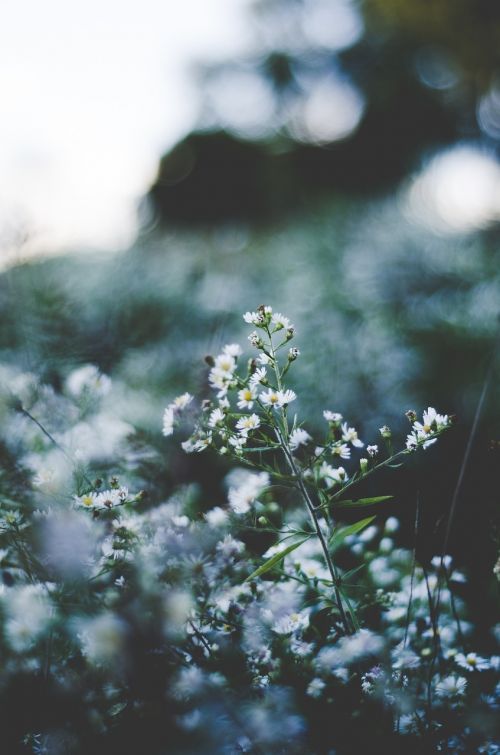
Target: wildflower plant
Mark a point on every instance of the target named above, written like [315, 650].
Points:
[251, 419]
[157, 615]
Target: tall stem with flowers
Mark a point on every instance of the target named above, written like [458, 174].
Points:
[256, 429]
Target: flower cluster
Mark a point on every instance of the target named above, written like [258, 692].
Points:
[260, 610]
[255, 425]
[172, 412]
[425, 433]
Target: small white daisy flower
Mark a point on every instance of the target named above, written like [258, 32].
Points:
[451, 686]
[181, 402]
[168, 421]
[250, 422]
[332, 416]
[472, 662]
[298, 437]
[277, 399]
[259, 376]
[225, 363]
[280, 321]
[216, 417]
[233, 350]
[342, 450]
[350, 435]
[88, 500]
[246, 397]
[263, 359]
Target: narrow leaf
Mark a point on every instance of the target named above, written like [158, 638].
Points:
[271, 562]
[340, 535]
[360, 502]
[348, 574]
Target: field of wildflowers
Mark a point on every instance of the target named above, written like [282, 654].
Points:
[285, 616]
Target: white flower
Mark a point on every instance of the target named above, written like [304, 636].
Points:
[258, 318]
[349, 434]
[168, 421]
[216, 517]
[220, 380]
[216, 417]
[342, 450]
[180, 403]
[472, 662]
[259, 376]
[298, 437]
[372, 450]
[238, 441]
[418, 438]
[332, 475]
[225, 363]
[391, 525]
[233, 349]
[230, 547]
[431, 417]
[277, 399]
[421, 431]
[315, 687]
[291, 623]
[246, 397]
[44, 478]
[188, 446]
[411, 442]
[263, 359]
[247, 423]
[88, 378]
[88, 500]
[332, 416]
[181, 521]
[255, 339]
[173, 409]
[451, 686]
[108, 498]
[253, 318]
[280, 321]
[240, 498]
[202, 443]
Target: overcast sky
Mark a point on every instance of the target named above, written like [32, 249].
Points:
[92, 93]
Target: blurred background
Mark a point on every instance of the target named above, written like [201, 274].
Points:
[167, 166]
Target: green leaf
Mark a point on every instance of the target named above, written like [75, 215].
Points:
[360, 502]
[262, 448]
[271, 562]
[340, 535]
[348, 574]
[352, 612]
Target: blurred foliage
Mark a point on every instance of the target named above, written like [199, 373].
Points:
[423, 75]
[406, 318]
[266, 210]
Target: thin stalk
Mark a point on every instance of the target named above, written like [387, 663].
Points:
[283, 435]
[324, 545]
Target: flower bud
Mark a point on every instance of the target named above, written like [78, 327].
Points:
[386, 432]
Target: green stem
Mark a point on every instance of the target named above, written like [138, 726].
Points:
[283, 435]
